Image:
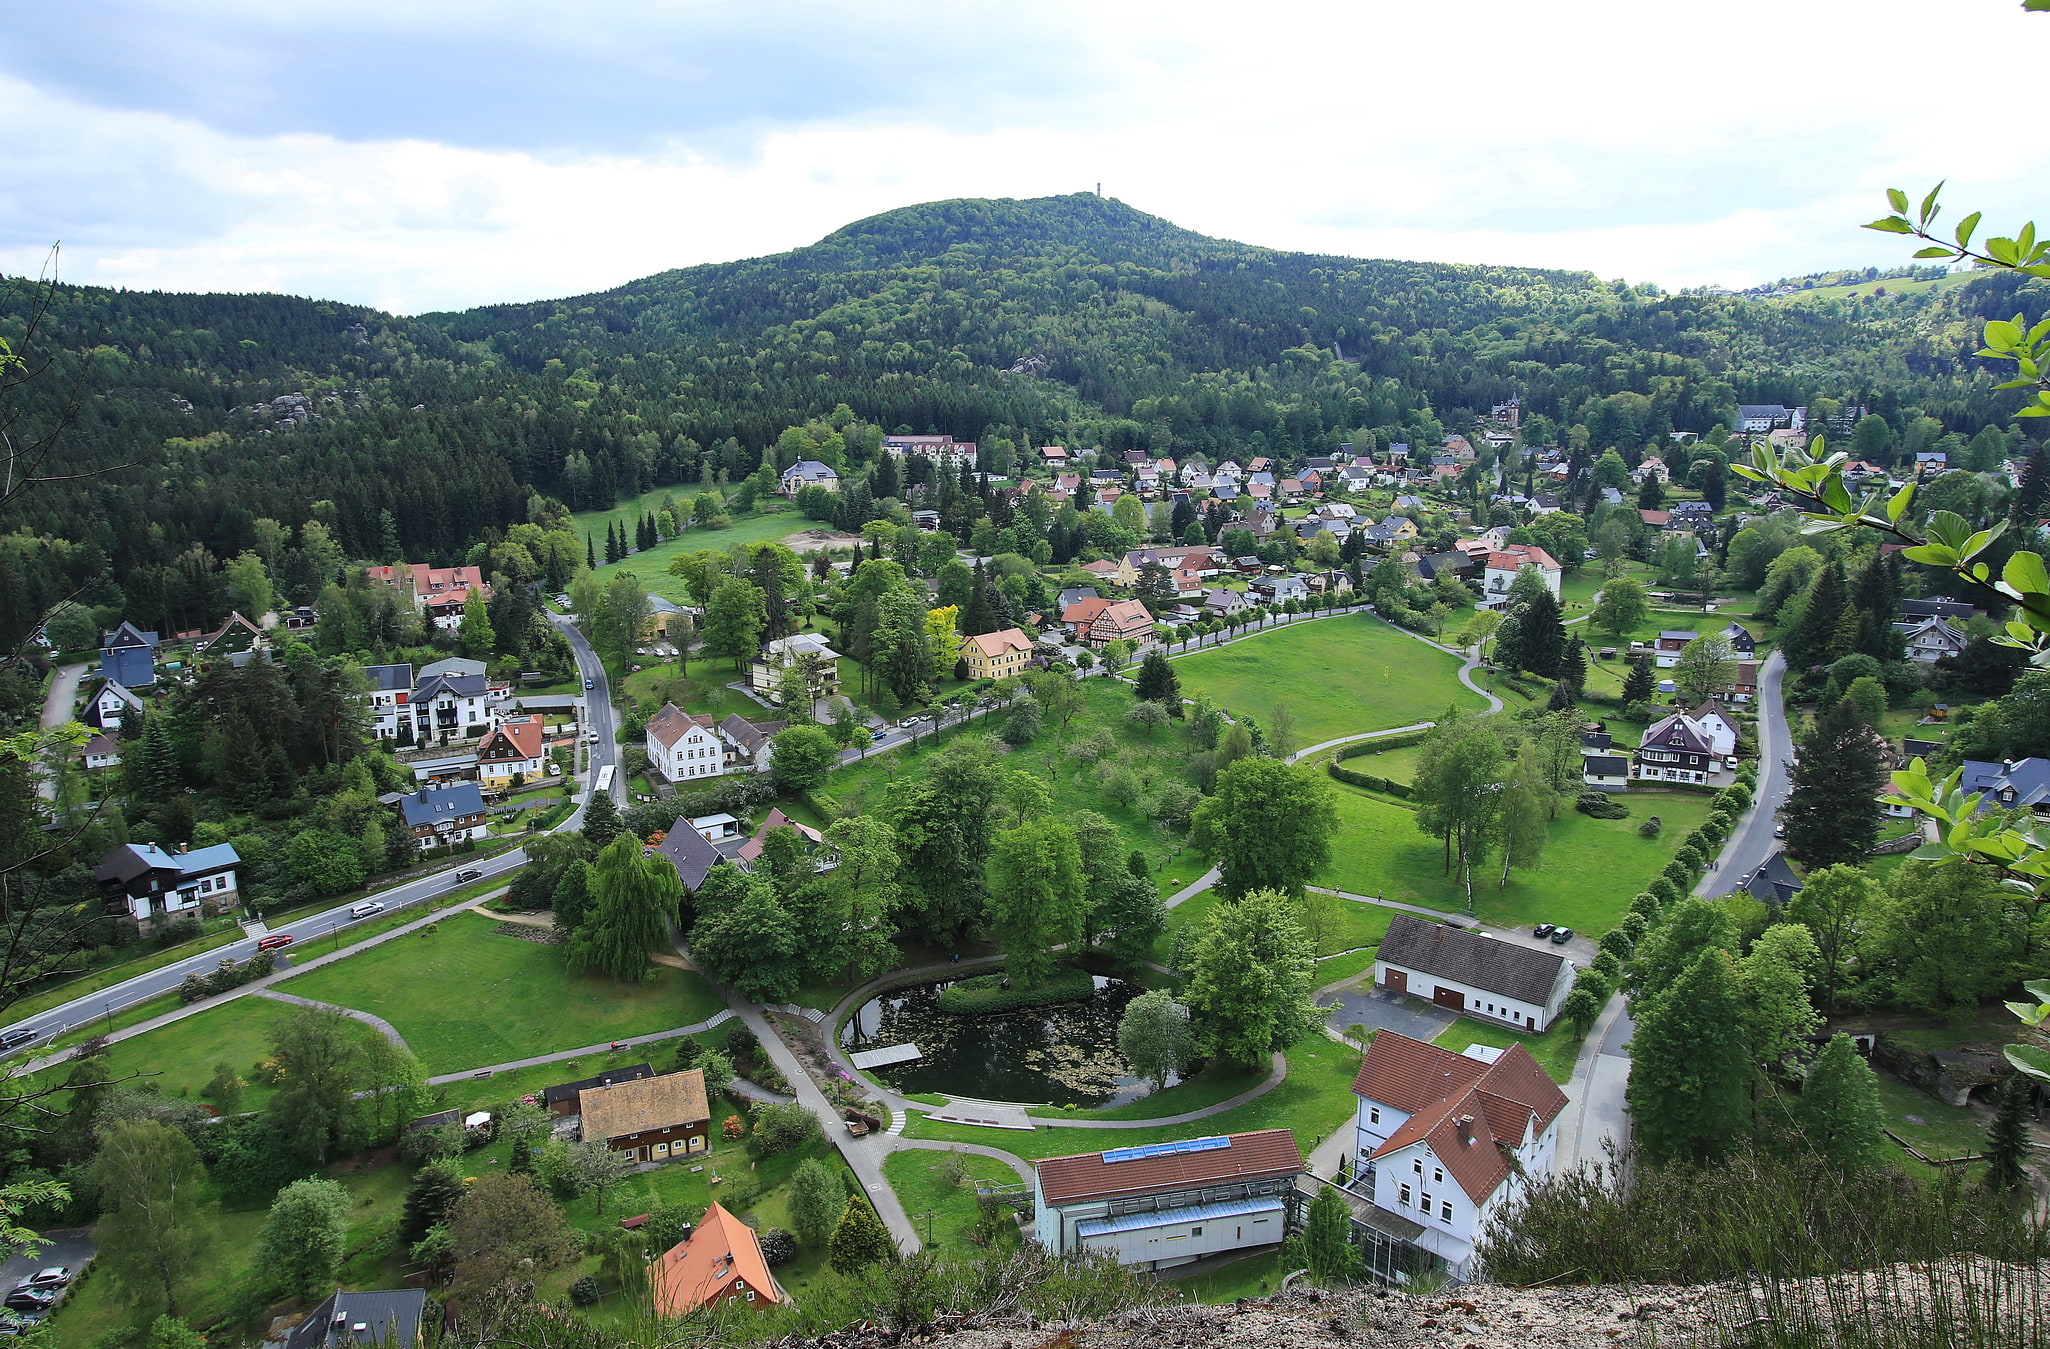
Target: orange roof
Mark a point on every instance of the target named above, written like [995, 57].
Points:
[1464, 1110]
[1084, 611]
[521, 735]
[1100, 1175]
[1128, 615]
[1516, 555]
[672, 723]
[722, 1257]
[997, 643]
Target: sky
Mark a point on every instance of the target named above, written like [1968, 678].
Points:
[438, 154]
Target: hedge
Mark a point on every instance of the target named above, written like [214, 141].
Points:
[230, 975]
[1362, 747]
[985, 994]
[1368, 781]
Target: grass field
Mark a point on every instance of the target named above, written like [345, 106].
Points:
[1337, 676]
[1314, 1099]
[1254, 1276]
[1554, 1051]
[1587, 876]
[464, 996]
[1939, 1130]
[934, 1202]
[652, 566]
[1897, 285]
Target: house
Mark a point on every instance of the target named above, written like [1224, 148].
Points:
[1773, 882]
[448, 705]
[1668, 646]
[1721, 731]
[1052, 454]
[1501, 569]
[236, 634]
[814, 843]
[1470, 972]
[2021, 784]
[1074, 595]
[1129, 621]
[388, 1318]
[941, 449]
[747, 742]
[1101, 570]
[144, 882]
[513, 749]
[391, 688]
[657, 1119]
[1224, 603]
[567, 1098]
[128, 657]
[807, 473]
[1201, 561]
[805, 649]
[682, 746]
[1079, 616]
[1605, 772]
[1679, 748]
[997, 655]
[1442, 1140]
[1656, 519]
[102, 751]
[1488, 541]
[1651, 467]
[1744, 687]
[1740, 639]
[1931, 639]
[438, 592]
[1167, 1204]
[445, 814]
[720, 1261]
[1452, 563]
[690, 853]
[1281, 589]
[110, 703]
[1929, 463]
[1759, 418]
[1957, 611]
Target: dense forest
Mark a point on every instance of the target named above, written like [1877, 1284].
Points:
[207, 426]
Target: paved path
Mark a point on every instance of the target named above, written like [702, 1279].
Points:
[1596, 1113]
[1277, 1070]
[1363, 735]
[385, 1028]
[1017, 1164]
[57, 710]
[1751, 843]
[631, 1041]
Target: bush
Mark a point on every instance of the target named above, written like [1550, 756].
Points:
[1651, 827]
[988, 994]
[1368, 781]
[230, 974]
[584, 1292]
[1679, 874]
[779, 1247]
[1601, 806]
[1664, 891]
[782, 1127]
[1647, 906]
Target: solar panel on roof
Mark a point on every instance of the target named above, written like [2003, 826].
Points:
[1166, 1149]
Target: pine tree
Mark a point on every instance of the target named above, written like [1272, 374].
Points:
[1807, 641]
[1838, 1111]
[1159, 683]
[2034, 488]
[1833, 813]
[590, 552]
[1327, 1238]
[859, 1239]
[980, 616]
[1690, 1066]
[1640, 683]
[1573, 665]
[601, 820]
[2007, 1138]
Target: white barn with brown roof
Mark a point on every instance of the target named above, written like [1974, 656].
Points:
[1165, 1204]
[1444, 1140]
[1471, 972]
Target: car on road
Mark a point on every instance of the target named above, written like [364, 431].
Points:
[28, 1298]
[1779, 829]
[472, 874]
[275, 940]
[590, 683]
[1541, 930]
[1561, 935]
[56, 1276]
[592, 738]
[14, 1039]
[367, 908]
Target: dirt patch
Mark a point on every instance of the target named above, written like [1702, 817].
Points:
[818, 540]
[544, 936]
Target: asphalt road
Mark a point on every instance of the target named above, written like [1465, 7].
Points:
[1754, 842]
[69, 1247]
[308, 929]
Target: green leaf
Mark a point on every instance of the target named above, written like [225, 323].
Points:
[2024, 571]
[1933, 554]
[1965, 228]
[2030, 1059]
[1929, 204]
[1893, 224]
[1897, 199]
[1898, 506]
[1934, 251]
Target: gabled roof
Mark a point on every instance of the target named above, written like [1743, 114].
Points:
[1678, 731]
[1604, 766]
[389, 678]
[522, 735]
[387, 1317]
[573, 1091]
[1084, 611]
[1465, 1110]
[1471, 958]
[449, 802]
[690, 854]
[127, 635]
[992, 644]
[452, 665]
[749, 736]
[723, 1252]
[1166, 1167]
[1127, 615]
[672, 724]
[432, 686]
[752, 849]
[1774, 881]
[662, 1102]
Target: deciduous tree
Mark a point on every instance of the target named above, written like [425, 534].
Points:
[802, 757]
[632, 899]
[1268, 826]
[818, 1196]
[1155, 1036]
[1250, 979]
[154, 1234]
[1689, 1066]
[1838, 1111]
[300, 1247]
[1036, 896]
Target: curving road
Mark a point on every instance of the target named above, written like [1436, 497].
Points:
[1753, 841]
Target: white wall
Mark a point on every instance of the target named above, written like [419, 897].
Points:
[1480, 1002]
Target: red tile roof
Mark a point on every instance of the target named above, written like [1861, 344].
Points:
[516, 738]
[1466, 1111]
[1514, 556]
[722, 1256]
[1250, 1156]
[997, 643]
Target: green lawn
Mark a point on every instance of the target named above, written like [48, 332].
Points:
[464, 996]
[1334, 924]
[1944, 1131]
[652, 566]
[1254, 1276]
[1590, 870]
[1397, 765]
[934, 1202]
[1337, 676]
[1207, 1088]
[1313, 1100]
[1554, 1051]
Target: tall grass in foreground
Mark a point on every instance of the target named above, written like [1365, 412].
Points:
[1800, 1254]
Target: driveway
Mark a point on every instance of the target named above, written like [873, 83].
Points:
[1381, 1009]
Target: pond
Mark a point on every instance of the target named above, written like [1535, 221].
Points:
[1065, 1054]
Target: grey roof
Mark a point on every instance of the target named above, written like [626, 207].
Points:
[1774, 881]
[2025, 782]
[389, 678]
[431, 687]
[1470, 958]
[688, 852]
[571, 1091]
[1595, 740]
[450, 802]
[1936, 609]
[380, 1314]
[451, 665]
[1604, 765]
[750, 736]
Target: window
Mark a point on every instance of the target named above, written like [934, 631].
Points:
[1195, 1231]
[1405, 1196]
[1437, 1175]
[1445, 1211]
[1373, 1114]
[661, 1149]
[1417, 1165]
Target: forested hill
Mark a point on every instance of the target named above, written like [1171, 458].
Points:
[1071, 320]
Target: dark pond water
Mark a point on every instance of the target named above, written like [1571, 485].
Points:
[1066, 1054]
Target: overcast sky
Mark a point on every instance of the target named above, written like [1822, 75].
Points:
[436, 154]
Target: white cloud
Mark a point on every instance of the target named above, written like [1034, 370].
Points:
[1649, 142]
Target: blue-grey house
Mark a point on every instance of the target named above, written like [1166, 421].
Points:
[128, 656]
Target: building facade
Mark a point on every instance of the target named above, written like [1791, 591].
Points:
[1470, 972]
[1167, 1204]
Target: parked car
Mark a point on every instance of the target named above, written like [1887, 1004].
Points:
[13, 1324]
[56, 1276]
[1561, 935]
[28, 1298]
[468, 875]
[366, 908]
[275, 940]
[1541, 930]
[14, 1039]
[1779, 829]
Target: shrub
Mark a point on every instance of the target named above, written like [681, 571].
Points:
[782, 1127]
[584, 1292]
[1601, 806]
[1664, 891]
[988, 994]
[1647, 906]
[1677, 872]
[1368, 781]
[1651, 826]
[779, 1247]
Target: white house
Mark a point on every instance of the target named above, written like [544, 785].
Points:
[111, 701]
[1931, 639]
[391, 688]
[516, 748]
[682, 747]
[1166, 1204]
[1686, 748]
[102, 751]
[809, 473]
[1484, 977]
[144, 882]
[1442, 1140]
[1503, 568]
[1605, 772]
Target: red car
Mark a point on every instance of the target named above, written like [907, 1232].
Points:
[274, 941]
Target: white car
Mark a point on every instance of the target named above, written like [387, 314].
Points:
[367, 908]
[592, 738]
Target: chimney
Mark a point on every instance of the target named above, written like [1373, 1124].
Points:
[1465, 1123]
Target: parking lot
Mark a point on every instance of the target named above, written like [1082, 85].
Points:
[70, 1247]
